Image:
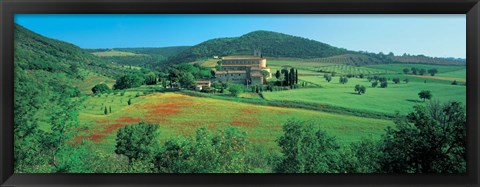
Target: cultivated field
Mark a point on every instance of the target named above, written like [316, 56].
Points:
[179, 114]
[114, 53]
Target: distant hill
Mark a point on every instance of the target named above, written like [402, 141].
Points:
[278, 45]
[164, 51]
[272, 44]
[145, 57]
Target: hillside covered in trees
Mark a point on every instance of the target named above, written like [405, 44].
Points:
[279, 45]
[272, 44]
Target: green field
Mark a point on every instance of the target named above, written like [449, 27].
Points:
[395, 98]
[114, 53]
[307, 67]
[179, 114]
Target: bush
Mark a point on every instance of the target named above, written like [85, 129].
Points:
[429, 140]
[220, 152]
[307, 149]
[360, 89]
[236, 89]
[101, 88]
[128, 81]
[138, 141]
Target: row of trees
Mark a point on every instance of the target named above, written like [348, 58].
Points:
[286, 77]
[420, 71]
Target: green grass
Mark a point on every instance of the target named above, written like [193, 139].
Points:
[179, 114]
[114, 53]
[90, 80]
[397, 97]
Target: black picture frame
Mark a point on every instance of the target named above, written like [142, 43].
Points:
[10, 7]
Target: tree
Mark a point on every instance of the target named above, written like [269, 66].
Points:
[414, 70]
[333, 74]
[128, 81]
[360, 89]
[396, 80]
[236, 89]
[186, 80]
[328, 78]
[151, 78]
[221, 151]
[430, 139]
[374, 84]
[296, 76]
[432, 71]
[425, 94]
[384, 84]
[137, 141]
[278, 74]
[421, 71]
[406, 80]
[343, 80]
[265, 74]
[105, 111]
[406, 70]
[307, 149]
[362, 157]
[129, 101]
[454, 82]
[101, 88]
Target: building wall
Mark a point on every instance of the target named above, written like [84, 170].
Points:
[257, 80]
[232, 77]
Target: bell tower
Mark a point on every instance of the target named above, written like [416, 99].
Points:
[257, 52]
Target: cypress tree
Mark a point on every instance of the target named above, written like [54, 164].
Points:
[129, 101]
[296, 76]
[110, 109]
[105, 111]
[287, 78]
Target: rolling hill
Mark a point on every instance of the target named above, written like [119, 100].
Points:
[279, 45]
[272, 44]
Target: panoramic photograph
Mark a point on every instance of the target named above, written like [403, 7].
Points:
[239, 93]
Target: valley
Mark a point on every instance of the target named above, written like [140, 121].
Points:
[85, 97]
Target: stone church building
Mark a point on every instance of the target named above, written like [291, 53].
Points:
[243, 69]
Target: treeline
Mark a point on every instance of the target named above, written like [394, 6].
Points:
[176, 76]
[422, 59]
[420, 71]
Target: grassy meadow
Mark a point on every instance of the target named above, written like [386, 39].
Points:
[179, 114]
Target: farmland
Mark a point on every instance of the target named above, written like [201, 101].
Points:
[403, 95]
[179, 114]
[166, 110]
[111, 53]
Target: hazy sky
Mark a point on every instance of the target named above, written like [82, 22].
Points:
[432, 35]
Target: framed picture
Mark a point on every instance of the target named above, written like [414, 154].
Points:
[227, 92]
